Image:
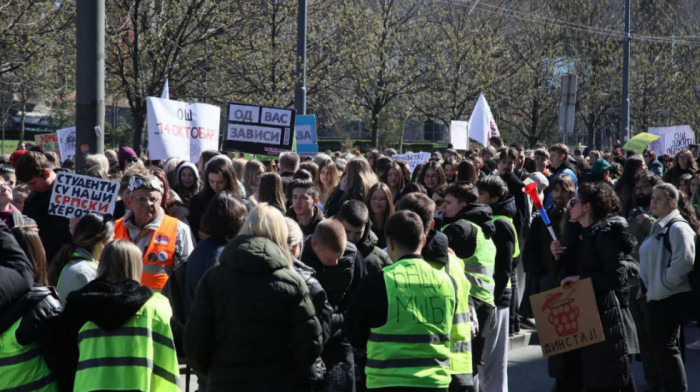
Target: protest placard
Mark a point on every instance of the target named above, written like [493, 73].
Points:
[482, 125]
[639, 142]
[305, 129]
[48, 142]
[567, 318]
[259, 129]
[181, 129]
[672, 139]
[66, 141]
[459, 135]
[75, 195]
[413, 159]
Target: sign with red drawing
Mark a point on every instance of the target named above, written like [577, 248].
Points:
[567, 318]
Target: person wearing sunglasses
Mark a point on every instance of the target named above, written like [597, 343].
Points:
[654, 165]
[683, 163]
[599, 248]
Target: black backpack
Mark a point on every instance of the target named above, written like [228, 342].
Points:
[694, 275]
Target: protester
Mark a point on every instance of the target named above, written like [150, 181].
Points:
[469, 231]
[260, 346]
[19, 196]
[88, 355]
[381, 206]
[467, 172]
[36, 171]
[493, 376]
[218, 176]
[450, 168]
[163, 240]
[432, 177]
[371, 156]
[355, 218]
[313, 380]
[288, 165]
[597, 248]
[9, 214]
[76, 264]
[355, 185]
[436, 252]
[393, 178]
[652, 162]
[541, 160]
[305, 211]
[126, 157]
[340, 268]
[666, 257]
[640, 221]
[29, 241]
[23, 310]
[400, 350]
[624, 187]
[558, 156]
[327, 179]
[251, 177]
[683, 163]
[271, 191]
[187, 182]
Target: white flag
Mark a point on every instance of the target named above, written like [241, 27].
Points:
[482, 126]
[166, 90]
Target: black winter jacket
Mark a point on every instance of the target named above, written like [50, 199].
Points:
[462, 236]
[252, 326]
[311, 227]
[35, 307]
[504, 239]
[16, 272]
[375, 258]
[53, 230]
[599, 252]
[521, 218]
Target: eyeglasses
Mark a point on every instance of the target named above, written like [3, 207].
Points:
[573, 202]
[143, 199]
[378, 200]
[8, 184]
[658, 199]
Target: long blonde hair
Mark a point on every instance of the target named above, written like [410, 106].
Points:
[267, 221]
[360, 178]
[120, 259]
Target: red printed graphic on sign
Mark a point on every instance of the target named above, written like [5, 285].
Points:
[563, 314]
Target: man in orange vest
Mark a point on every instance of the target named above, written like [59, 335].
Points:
[164, 241]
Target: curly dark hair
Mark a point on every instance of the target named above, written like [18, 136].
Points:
[687, 211]
[602, 198]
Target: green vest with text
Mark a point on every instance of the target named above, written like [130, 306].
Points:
[139, 355]
[516, 251]
[479, 266]
[461, 333]
[413, 347]
[22, 368]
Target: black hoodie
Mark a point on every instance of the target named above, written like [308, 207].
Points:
[107, 303]
[375, 258]
[462, 236]
[504, 239]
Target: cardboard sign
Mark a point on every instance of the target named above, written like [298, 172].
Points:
[66, 141]
[567, 319]
[259, 129]
[413, 159]
[181, 129]
[459, 135]
[672, 139]
[48, 142]
[307, 142]
[639, 142]
[74, 195]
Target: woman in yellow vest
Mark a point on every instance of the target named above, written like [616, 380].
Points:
[114, 334]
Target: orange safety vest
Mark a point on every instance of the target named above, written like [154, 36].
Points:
[159, 258]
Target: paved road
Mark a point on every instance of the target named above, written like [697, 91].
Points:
[527, 369]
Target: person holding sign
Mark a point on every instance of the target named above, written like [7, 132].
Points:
[403, 315]
[163, 240]
[599, 248]
[37, 172]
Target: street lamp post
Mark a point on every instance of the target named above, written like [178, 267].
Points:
[300, 91]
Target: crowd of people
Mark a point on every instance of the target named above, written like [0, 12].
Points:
[344, 272]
